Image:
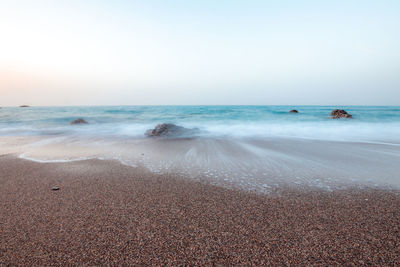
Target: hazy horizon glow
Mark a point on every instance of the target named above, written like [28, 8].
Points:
[199, 52]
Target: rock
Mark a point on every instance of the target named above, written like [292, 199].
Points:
[79, 121]
[293, 111]
[24, 106]
[340, 113]
[169, 130]
[55, 188]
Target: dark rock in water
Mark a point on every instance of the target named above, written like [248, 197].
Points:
[55, 188]
[170, 130]
[340, 113]
[79, 121]
[293, 111]
[24, 106]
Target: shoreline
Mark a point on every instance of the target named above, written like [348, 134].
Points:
[107, 213]
[253, 164]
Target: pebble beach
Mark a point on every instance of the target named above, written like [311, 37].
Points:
[105, 213]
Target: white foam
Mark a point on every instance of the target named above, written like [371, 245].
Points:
[249, 163]
[23, 156]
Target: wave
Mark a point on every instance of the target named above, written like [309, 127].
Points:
[331, 130]
[250, 147]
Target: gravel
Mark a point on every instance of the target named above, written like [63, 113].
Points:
[110, 214]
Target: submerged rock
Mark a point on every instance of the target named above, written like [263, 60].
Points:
[170, 130]
[293, 111]
[79, 121]
[340, 113]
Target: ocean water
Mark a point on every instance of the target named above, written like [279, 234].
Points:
[370, 123]
[255, 147]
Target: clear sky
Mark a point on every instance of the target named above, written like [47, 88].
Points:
[115, 52]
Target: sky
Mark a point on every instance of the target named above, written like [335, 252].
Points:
[209, 52]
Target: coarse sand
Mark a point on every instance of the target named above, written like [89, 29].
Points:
[105, 213]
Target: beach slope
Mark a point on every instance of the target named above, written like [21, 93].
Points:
[106, 213]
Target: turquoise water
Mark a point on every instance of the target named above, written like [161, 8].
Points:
[369, 123]
[253, 147]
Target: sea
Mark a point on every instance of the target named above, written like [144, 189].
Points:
[252, 147]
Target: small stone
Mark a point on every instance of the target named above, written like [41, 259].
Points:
[79, 121]
[55, 188]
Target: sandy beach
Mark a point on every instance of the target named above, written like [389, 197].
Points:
[199, 133]
[106, 213]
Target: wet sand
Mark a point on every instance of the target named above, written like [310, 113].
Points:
[107, 214]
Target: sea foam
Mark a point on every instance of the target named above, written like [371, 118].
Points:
[249, 147]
